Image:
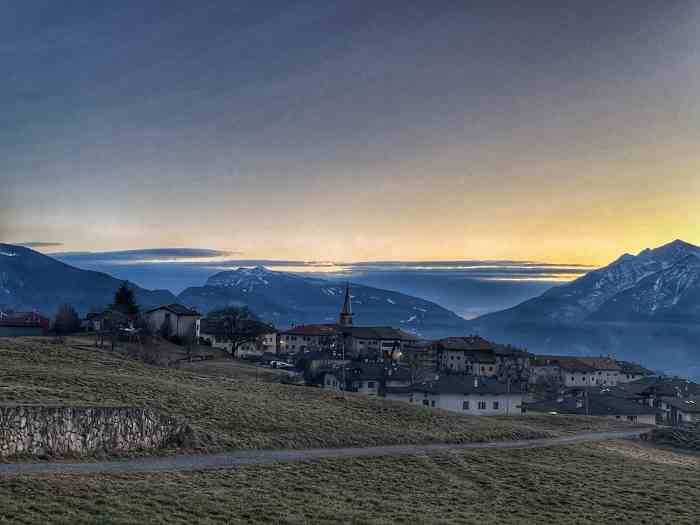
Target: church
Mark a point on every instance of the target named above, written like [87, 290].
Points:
[344, 339]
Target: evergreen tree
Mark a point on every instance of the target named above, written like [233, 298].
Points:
[124, 300]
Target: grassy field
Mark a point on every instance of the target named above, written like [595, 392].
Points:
[616, 482]
[236, 369]
[230, 411]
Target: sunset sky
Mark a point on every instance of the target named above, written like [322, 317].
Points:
[558, 131]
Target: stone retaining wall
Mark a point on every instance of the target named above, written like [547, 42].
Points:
[54, 430]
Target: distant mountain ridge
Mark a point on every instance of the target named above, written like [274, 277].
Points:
[636, 303]
[288, 298]
[664, 277]
[30, 280]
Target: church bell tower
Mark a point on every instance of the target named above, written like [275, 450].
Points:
[345, 318]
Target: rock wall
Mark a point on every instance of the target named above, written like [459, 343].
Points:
[53, 430]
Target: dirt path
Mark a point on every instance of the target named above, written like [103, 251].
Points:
[230, 460]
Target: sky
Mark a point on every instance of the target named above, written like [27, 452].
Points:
[560, 132]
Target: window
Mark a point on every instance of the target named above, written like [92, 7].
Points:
[465, 405]
[490, 369]
[432, 403]
[573, 378]
[482, 405]
[370, 384]
[495, 405]
[425, 402]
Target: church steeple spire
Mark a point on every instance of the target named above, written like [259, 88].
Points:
[346, 313]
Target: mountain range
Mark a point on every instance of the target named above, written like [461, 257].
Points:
[287, 298]
[30, 280]
[644, 306]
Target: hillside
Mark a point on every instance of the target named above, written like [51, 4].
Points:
[30, 280]
[234, 411]
[287, 298]
[644, 307]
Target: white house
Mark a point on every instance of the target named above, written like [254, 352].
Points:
[182, 321]
[465, 394]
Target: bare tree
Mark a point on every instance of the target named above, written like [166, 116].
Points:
[67, 321]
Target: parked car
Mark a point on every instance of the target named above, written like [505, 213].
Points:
[280, 364]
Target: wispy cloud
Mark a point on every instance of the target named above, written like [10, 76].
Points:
[147, 256]
[38, 244]
[205, 261]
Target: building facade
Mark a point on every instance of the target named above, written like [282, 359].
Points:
[179, 320]
[465, 394]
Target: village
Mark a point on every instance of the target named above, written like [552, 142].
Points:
[467, 374]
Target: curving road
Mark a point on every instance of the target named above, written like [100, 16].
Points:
[230, 460]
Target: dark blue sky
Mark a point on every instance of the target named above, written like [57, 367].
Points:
[560, 131]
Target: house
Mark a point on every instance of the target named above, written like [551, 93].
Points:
[308, 338]
[632, 372]
[107, 319]
[215, 333]
[176, 319]
[602, 402]
[512, 364]
[421, 355]
[23, 324]
[345, 339]
[667, 395]
[465, 394]
[367, 378]
[680, 411]
[364, 378]
[374, 342]
[650, 390]
[466, 355]
[571, 371]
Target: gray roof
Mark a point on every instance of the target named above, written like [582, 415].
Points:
[684, 404]
[628, 367]
[597, 404]
[377, 332]
[663, 386]
[176, 309]
[457, 384]
[469, 343]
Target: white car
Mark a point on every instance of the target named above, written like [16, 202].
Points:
[280, 364]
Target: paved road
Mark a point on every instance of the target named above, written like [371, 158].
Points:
[229, 460]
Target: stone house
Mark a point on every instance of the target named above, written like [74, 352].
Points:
[572, 371]
[471, 355]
